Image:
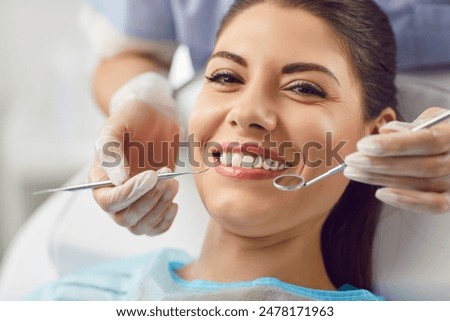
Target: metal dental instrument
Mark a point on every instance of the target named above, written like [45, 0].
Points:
[92, 185]
[300, 181]
[433, 121]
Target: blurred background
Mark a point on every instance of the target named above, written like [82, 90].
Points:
[48, 121]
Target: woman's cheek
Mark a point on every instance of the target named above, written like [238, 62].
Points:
[205, 115]
[349, 130]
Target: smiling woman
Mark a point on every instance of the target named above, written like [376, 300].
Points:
[291, 71]
[297, 75]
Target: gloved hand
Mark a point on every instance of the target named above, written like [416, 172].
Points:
[142, 204]
[130, 142]
[413, 167]
[129, 149]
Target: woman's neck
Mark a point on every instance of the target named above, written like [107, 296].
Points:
[293, 257]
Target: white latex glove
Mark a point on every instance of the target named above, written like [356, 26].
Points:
[413, 167]
[142, 204]
[143, 110]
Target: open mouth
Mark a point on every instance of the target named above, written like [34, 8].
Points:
[250, 157]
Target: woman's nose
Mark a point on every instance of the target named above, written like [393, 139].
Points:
[254, 111]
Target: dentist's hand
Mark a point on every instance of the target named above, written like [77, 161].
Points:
[414, 168]
[138, 201]
[142, 204]
[132, 139]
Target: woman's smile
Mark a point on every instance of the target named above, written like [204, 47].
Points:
[250, 160]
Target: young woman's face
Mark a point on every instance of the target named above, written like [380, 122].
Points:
[281, 72]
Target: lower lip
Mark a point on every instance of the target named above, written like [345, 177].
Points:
[246, 173]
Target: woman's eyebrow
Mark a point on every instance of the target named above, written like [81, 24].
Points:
[302, 66]
[287, 69]
[231, 56]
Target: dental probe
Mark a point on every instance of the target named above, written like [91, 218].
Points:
[301, 181]
[92, 185]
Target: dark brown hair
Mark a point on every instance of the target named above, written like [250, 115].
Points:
[367, 37]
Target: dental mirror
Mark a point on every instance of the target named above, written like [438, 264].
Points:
[295, 182]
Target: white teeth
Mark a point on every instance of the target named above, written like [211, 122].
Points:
[266, 164]
[258, 162]
[236, 160]
[225, 159]
[274, 165]
[247, 161]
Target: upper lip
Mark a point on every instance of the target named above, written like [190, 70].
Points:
[250, 148]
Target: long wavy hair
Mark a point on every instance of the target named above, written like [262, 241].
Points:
[366, 35]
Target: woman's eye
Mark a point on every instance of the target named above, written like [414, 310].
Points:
[225, 78]
[306, 88]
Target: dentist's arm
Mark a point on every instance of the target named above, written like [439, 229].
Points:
[112, 73]
[131, 89]
[413, 168]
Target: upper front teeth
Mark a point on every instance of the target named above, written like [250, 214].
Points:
[249, 161]
[236, 160]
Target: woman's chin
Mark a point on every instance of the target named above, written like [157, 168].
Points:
[241, 214]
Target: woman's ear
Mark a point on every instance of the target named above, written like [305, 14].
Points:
[386, 116]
